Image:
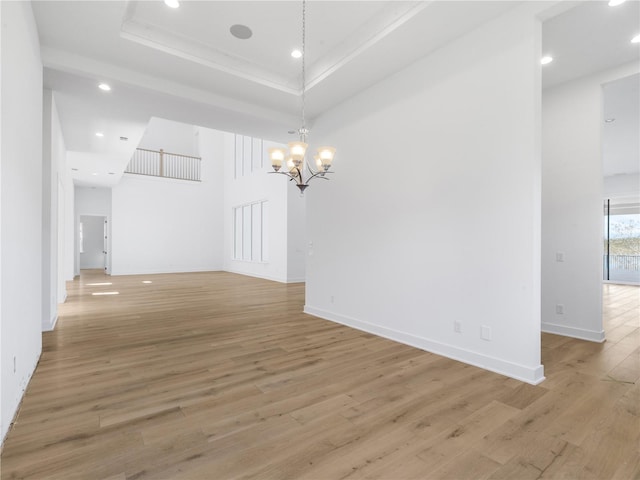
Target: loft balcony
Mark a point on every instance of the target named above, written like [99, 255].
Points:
[158, 163]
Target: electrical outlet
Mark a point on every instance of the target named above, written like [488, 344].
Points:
[14, 364]
[559, 256]
[457, 327]
[332, 298]
[485, 333]
[560, 309]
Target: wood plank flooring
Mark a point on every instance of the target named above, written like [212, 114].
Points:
[220, 376]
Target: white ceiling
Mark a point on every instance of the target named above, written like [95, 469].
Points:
[589, 38]
[184, 64]
[594, 37]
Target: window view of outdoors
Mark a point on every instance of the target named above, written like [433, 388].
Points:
[622, 263]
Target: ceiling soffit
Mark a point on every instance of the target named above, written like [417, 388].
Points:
[146, 23]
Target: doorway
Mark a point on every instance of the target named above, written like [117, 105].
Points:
[621, 180]
[621, 242]
[93, 242]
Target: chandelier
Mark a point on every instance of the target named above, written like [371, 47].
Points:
[296, 167]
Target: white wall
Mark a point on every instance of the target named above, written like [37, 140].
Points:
[172, 137]
[572, 199]
[54, 178]
[69, 226]
[296, 231]
[433, 214]
[154, 219]
[49, 218]
[3, 430]
[62, 234]
[621, 185]
[64, 201]
[20, 204]
[165, 225]
[252, 187]
[95, 201]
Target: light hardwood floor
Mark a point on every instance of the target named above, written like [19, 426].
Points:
[219, 376]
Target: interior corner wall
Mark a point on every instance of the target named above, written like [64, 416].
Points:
[53, 163]
[163, 225]
[572, 205]
[254, 187]
[296, 231]
[433, 215]
[2, 422]
[70, 266]
[65, 210]
[20, 204]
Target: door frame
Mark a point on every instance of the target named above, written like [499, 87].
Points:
[108, 243]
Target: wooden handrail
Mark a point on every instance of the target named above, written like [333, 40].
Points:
[166, 165]
[168, 153]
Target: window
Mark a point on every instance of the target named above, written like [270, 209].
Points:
[250, 232]
[248, 157]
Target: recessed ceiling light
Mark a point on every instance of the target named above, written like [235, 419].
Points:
[172, 3]
[609, 120]
[104, 86]
[241, 31]
[112, 173]
[124, 139]
[296, 53]
[546, 59]
[615, 3]
[636, 39]
[94, 174]
[99, 134]
[74, 169]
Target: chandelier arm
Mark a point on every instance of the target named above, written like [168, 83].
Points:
[313, 172]
[318, 175]
[291, 177]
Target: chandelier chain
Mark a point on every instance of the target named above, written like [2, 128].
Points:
[304, 80]
[296, 167]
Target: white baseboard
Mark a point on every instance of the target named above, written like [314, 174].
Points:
[531, 375]
[50, 325]
[615, 282]
[146, 271]
[191, 270]
[257, 275]
[296, 280]
[580, 333]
